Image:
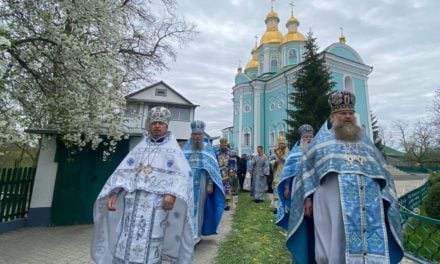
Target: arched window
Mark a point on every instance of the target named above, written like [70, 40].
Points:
[293, 57]
[246, 137]
[292, 53]
[272, 139]
[348, 84]
[281, 130]
[274, 65]
[260, 64]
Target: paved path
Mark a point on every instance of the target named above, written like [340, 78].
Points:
[71, 244]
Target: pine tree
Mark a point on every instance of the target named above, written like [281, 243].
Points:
[376, 132]
[312, 87]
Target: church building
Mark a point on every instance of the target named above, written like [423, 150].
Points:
[260, 93]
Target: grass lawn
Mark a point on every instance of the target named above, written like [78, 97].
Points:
[254, 237]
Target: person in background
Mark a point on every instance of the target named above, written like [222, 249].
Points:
[281, 152]
[259, 171]
[209, 196]
[242, 169]
[289, 172]
[228, 170]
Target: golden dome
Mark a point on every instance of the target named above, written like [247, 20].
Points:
[272, 14]
[252, 64]
[272, 36]
[291, 20]
[293, 36]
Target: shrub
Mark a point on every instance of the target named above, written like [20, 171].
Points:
[432, 201]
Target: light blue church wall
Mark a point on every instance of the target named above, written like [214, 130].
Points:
[337, 78]
[287, 53]
[345, 53]
[275, 115]
[361, 104]
[247, 122]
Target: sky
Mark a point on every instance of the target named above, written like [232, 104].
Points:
[399, 38]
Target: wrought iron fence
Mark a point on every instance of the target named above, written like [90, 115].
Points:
[15, 192]
[421, 235]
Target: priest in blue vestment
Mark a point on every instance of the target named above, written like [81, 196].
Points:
[209, 196]
[344, 187]
[290, 171]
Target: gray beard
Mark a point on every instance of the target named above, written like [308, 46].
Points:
[304, 145]
[197, 144]
[349, 132]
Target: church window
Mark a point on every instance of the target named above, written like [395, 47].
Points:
[246, 137]
[348, 84]
[247, 108]
[293, 57]
[272, 136]
[274, 65]
[281, 130]
[280, 104]
[292, 53]
[272, 106]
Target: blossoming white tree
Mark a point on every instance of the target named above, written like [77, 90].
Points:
[66, 65]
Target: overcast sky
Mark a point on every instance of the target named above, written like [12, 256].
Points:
[400, 39]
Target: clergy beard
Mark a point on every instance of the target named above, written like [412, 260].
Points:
[197, 144]
[304, 144]
[348, 131]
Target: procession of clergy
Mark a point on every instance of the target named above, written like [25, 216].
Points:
[332, 194]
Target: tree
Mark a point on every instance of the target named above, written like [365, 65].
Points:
[66, 65]
[377, 138]
[436, 113]
[311, 90]
[418, 141]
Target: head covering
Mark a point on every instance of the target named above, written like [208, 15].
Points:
[159, 114]
[341, 101]
[282, 140]
[223, 141]
[198, 126]
[305, 130]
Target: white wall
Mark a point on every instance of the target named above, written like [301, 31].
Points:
[180, 129]
[150, 94]
[45, 176]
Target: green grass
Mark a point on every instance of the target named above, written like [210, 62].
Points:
[254, 237]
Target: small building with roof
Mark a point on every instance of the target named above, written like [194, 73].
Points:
[66, 184]
[260, 94]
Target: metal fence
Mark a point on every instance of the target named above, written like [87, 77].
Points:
[15, 192]
[421, 235]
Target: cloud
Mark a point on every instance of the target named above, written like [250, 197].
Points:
[397, 38]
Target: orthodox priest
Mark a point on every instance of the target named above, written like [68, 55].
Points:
[144, 212]
[346, 189]
[228, 170]
[290, 170]
[259, 170]
[281, 152]
[209, 196]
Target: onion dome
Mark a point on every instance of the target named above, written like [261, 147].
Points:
[292, 34]
[272, 34]
[253, 63]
